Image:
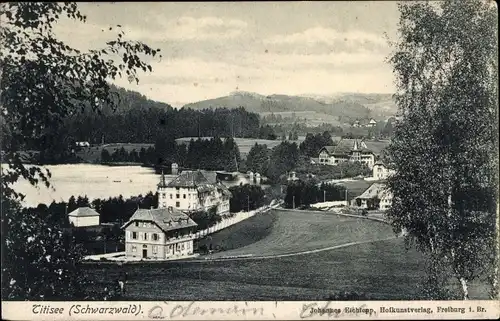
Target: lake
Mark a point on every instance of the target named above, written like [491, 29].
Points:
[95, 181]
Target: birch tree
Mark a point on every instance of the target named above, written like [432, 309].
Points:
[445, 145]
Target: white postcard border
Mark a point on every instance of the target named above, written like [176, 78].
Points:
[251, 310]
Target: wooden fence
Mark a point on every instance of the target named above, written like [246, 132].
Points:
[238, 217]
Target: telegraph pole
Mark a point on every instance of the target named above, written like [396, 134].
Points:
[324, 196]
[248, 203]
[293, 198]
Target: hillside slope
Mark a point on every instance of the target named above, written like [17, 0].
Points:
[284, 103]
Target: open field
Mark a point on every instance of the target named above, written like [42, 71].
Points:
[312, 118]
[292, 232]
[245, 144]
[383, 270]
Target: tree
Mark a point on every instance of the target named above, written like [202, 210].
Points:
[38, 259]
[313, 143]
[284, 158]
[105, 156]
[444, 148]
[43, 83]
[258, 159]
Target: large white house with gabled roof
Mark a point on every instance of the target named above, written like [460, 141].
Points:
[158, 234]
[358, 152]
[192, 191]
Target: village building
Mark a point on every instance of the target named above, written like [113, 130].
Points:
[371, 123]
[84, 216]
[334, 155]
[192, 191]
[377, 196]
[161, 233]
[82, 144]
[381, 171]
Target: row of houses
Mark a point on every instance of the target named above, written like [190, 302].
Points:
[167, 231]
[371, 123]
[376, 196]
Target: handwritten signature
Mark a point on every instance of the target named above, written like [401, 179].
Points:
[190, 309]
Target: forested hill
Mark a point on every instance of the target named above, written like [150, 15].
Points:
[126, 100]
[284, 103]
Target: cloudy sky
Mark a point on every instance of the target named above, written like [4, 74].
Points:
[211, 49]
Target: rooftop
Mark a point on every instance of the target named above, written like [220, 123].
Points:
[167, 219]
[375, 190]
[203, 181]
[345, 147]
[83, 212]
[189, 179]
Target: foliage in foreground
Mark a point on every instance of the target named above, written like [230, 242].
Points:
[42, 82]
[445, 147]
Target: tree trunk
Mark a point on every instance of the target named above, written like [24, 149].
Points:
[465, 288]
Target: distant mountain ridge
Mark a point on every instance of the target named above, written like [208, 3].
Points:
[254, 102]
[379, 104]
[343, 106]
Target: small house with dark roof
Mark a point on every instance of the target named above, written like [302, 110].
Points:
[377, 196]
[161, 233]
[342, 152]
[83, 216]
[192, 191]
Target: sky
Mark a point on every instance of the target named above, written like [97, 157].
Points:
[214, 48]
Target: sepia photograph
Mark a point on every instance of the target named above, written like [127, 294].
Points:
[249, 151]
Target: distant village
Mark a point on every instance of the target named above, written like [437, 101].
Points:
[167, 231]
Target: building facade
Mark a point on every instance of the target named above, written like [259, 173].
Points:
[334, 155]
[191, 191]
[377, 196]
[381, 171]
[161, 233]
[84, 216]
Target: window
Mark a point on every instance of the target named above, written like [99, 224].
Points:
[155, 237]
[170, 196]
[163, 195]
[184, 196]
[134, 248]
[177, 204]
[145, 236]
[136, 223]
[155, 249]
[134, 235]
[177, 195]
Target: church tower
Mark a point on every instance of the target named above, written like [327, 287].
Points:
[162, 191]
